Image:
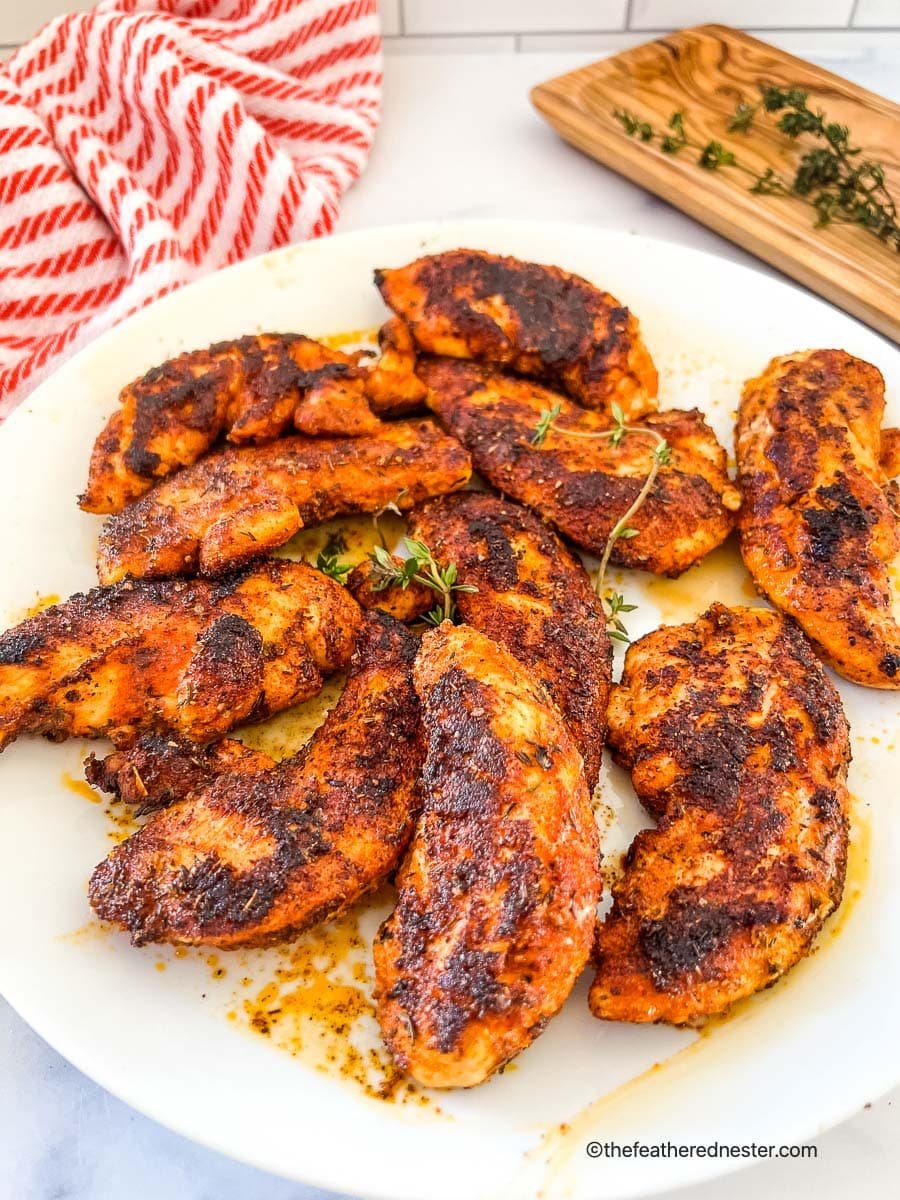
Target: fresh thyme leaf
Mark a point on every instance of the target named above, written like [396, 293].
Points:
[673, 143]
[775, 98]
[768, 184]
[632, 125]
[618, 636]
[616, 604]
[417, 550]
[714, 155]
[382, 559]
[628, 532]
[328, 559]
[742, 118]
[548, 416]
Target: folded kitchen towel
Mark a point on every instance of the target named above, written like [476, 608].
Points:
[147, 142]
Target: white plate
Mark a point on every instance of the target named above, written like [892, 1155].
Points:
[792, 1062]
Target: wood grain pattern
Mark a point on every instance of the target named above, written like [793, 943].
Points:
[706, 71]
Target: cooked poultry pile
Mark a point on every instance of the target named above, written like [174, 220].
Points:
[737, 744]
[251, 390]
[464, 761]
[253, 851]
[819, 527]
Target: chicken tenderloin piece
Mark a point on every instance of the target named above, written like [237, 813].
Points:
[237, 504]
[583, 485]
[261, 853]
[497, 895]
[250, 389]
[191, 656]
[534, 597]
[738, 744]
[532, 319]
[819, 528]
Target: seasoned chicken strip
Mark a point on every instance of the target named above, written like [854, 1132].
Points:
[584, 485]
[737, 742]
[191, 656]
[169, 418]
[498, 892]
[260, 854]
[534, 597]
[238, 504]
[818, 531]
[533, 319]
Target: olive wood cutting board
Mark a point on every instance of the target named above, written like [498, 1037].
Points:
[705, 72]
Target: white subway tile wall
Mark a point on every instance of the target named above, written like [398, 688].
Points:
[780, 14]
[472, 43]
[883, 14]
[494, 26]
[19, 19]
[512, 16]
[390, 17]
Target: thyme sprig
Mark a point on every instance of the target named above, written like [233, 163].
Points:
[328, 559]
[842, 187]
[420, 567]
[661, 456]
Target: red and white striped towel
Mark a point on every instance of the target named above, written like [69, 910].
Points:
[148, 142]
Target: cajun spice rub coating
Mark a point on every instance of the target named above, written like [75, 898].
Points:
[818, 530]
[191, 656]
[534, 597]
[533, 319]
[263, 852]
[498, 892]
[738, 744]
[240, 503]
[583, 485]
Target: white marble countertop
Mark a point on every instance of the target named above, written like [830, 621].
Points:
[459, 139]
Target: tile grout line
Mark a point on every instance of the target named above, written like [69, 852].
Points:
[862, 30]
